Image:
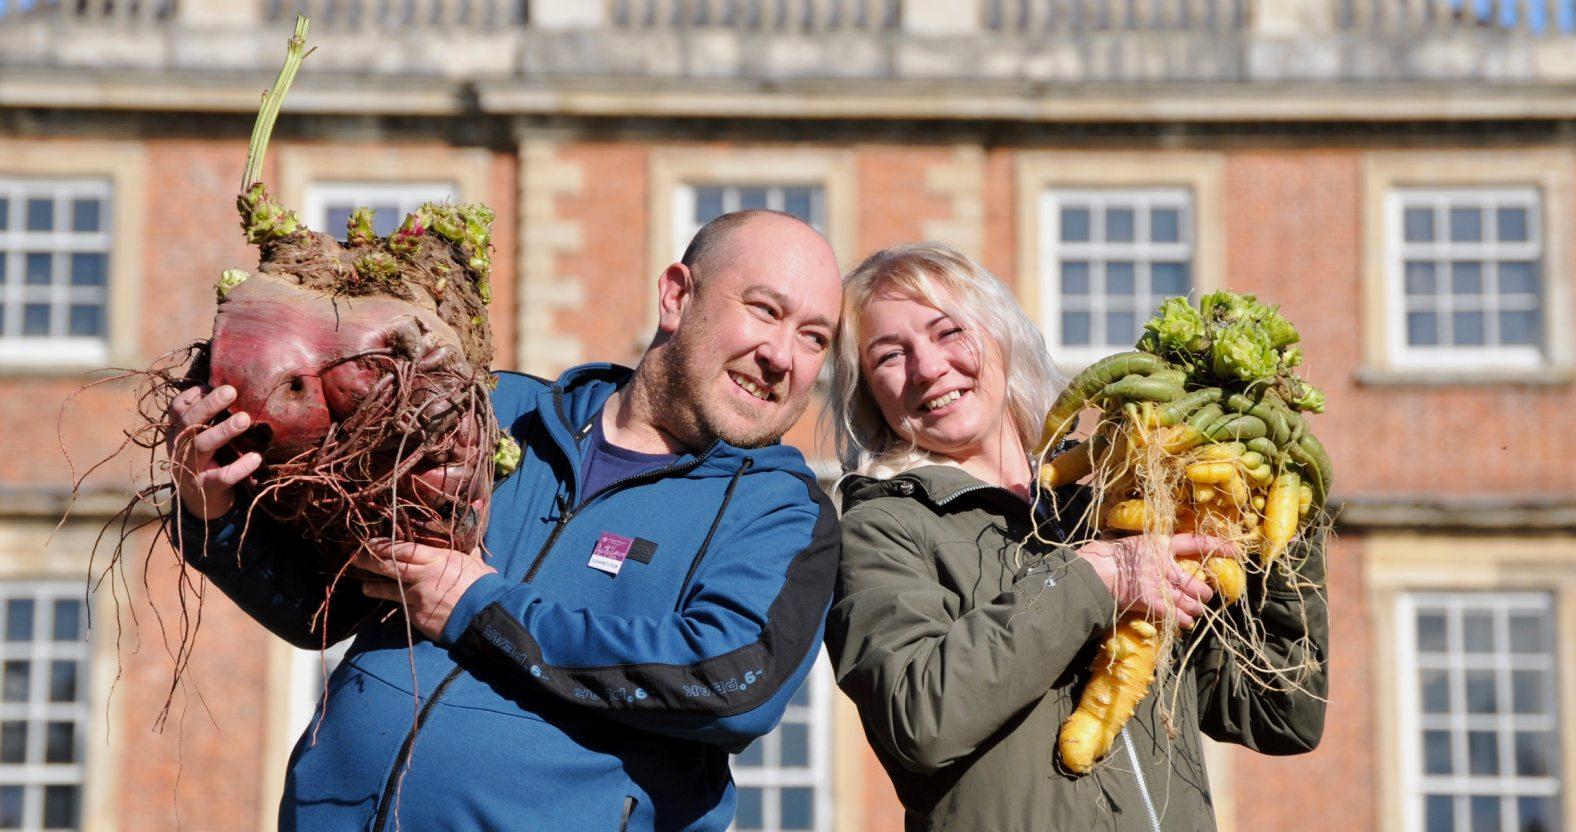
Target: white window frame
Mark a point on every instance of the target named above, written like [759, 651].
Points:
[407, 195]
[685, 226]
[38, 712]
[1141, 252]
[15, 241]
[1398, 251]
[817, 777]
[1412, 721]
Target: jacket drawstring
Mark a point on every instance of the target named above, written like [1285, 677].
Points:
[715, 522]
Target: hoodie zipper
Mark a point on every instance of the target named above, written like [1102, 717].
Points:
[1143, 786]
[566, 514]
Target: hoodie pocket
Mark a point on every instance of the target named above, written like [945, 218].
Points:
[629, 810]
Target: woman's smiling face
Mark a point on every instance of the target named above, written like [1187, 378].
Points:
[939, 386]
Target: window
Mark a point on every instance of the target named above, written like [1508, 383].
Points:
[1479, 709]
[784, 778]
[1110, 257]
[54, 270]
[328, 204]
[43, 704]
[697, 205]
[1467, 276]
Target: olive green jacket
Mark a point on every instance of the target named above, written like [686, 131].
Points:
[964, 655]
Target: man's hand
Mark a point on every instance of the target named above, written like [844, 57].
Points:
[1149, 585]
[206, 488]
[427, 580]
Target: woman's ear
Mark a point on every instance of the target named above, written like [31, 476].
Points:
[675, 290]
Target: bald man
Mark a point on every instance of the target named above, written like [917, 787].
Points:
[650, 594]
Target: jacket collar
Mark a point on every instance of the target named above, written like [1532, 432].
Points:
[937, 484]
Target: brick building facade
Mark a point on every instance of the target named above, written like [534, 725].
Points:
[1398, 175]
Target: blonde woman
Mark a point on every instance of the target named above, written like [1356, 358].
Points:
[963, 646]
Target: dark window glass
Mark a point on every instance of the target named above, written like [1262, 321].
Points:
[1119, 278]
[1482, 752]
[750, 813]
[386, 219]
[1076, 329]
[1075, 277]
[338, 219]
[1430, 632]
[1436, 752]
[1121, 328]
[1466, 225]
[751, 199]
[708, 204]
[19, 619]
[5, 213]
[1538, 814]
[1477, 632]
[86, 320]
[88, 269]
[1527, 633]
[1466, 277]
[801, 697]
[1512, 225]
[1165, 225]
[1419, 225]
[62, 680]
[62, 807]
[1482, 696]
[60, 743]
[1436, 690]
[1169, 279]
[1467, 329]
[1440, 812]
[10, 807]
[1420, 278]
[35, 319]
[1534, 753]
[1422, 329]
[37, 268]
[795, 744]
[14, 682]
[751, 755]
[68, 619]
[798, 808]
[3, 261]
[1075, 225]
[41, 214]
[13, 741]
[1518, 277]
[1527, 692]
[798, 201]
[1485, 813]
[85, 214]
[1119, 225]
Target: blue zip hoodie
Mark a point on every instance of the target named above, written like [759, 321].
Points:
[559, 697]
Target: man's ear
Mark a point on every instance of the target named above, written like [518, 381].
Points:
[675, 290]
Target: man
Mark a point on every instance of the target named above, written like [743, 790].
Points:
[656, 577]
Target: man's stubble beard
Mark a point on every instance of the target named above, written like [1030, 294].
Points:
[683, 386]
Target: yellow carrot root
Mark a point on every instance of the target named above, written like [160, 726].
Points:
[1280, 515]
[1073, 465]
[1211, 473]
[1124, 669]
[1127, 515]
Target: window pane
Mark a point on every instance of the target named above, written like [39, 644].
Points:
[3, 261]
[1430, 632]
[62, 680]
[749, 814]
[1477, 632]
[798, 808]
[1075, 225]
[87, 269]
[1422, 329]
[1419, 224]
[1467, 329]
[1436, 752]
[37, 268]
[1534, 753]
[751, 755]
[1075, 277]
[13, 741]
[801, 697]
[19, 619]
[1518, 328]
[797, 201]
[795, 744]
[1482, 752]
[1538, 814]
[60, 744]
[5, 213]
[1119, 278]
[386, 219]
[338, 219]
[1527, 691]
[1075, 328]
[85, 214]
[1485, 814]
[1436, 691]
[1169, 279]
[86, 320]
[1165, 225]
[10, 807]
[708, 204]
[1527, 633]
[17, 675]
[61, 804]
[1481, 693]
[41, 214]
[1440, 809]
[35, 319]
[1466, 225]
[1420, 278]
[1119, 225]
[752, 198]
[1121, 328]
[1518, 277]
[1466, 277]
[1512, 225]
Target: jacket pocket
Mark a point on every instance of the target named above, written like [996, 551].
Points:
[630, 802]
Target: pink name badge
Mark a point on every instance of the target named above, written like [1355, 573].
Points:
[610, 552]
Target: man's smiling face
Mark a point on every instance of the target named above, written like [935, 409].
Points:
[752, 337]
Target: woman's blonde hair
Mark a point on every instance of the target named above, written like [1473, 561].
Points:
[943, 277]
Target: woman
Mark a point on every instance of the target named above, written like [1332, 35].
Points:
[962, 641]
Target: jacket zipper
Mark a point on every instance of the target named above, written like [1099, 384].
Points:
[564, 516]
[956, 494]
[1143, 787]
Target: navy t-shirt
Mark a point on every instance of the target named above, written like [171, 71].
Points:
[602, 463]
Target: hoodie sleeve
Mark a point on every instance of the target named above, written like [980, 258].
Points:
[932, 686]
[720, 668]
[273, 575]
[1282, 712]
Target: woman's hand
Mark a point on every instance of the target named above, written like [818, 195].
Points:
[1152, 586]
[206, 488]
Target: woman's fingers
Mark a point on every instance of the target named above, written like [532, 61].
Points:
[1201, 545]
[1189, 583]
